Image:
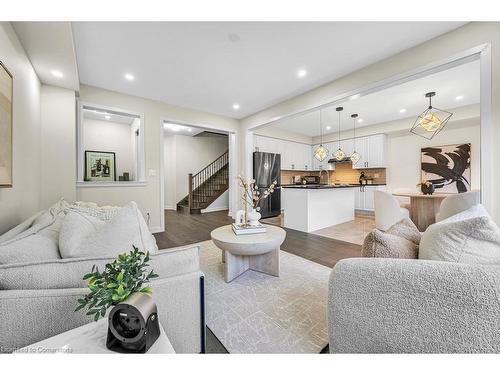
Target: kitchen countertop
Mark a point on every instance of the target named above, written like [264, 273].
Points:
[325, 186]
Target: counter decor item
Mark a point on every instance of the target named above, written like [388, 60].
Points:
[122, 282]
[426, 187]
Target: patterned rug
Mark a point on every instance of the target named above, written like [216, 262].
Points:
[258, 313]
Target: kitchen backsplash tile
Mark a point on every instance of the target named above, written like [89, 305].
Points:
[343, 174]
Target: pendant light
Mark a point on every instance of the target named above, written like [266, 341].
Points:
[321, 152]
[431, 121]
[355, 156]
[339, 154]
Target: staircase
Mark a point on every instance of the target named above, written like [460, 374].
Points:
[206, 186]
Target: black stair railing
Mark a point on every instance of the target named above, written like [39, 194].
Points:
[208, 181]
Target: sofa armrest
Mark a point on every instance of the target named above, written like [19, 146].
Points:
[413, 306]
[29, 316]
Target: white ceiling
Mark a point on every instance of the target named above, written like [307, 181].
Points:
[385, 105]
[210, 66]
[50, 47]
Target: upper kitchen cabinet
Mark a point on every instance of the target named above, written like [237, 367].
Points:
[372, 150]
[294, 155]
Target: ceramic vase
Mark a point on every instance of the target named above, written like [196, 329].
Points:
[253, 217]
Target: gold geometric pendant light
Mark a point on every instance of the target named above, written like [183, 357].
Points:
[321, 153]
[431, 121]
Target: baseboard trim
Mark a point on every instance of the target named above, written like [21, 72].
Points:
[208, 209]
[156, 229]
[170, 207]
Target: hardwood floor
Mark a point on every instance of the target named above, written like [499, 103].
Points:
[185, 229]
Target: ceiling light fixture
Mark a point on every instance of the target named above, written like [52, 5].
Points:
[236, 106]
[354, 156]
[57, 73]
[129, 77]
[354, 97]
[107, 117]
[190, 130]
[402, 110]
[339, 154]
[360, 120]
[459, 97]
[431, 121]
[301, 73]
[328, 127]
[321, 152]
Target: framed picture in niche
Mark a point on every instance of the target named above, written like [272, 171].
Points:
[100, 166]
[448, 167]
[6, 105]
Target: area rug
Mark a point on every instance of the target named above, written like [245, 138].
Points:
[259, 313]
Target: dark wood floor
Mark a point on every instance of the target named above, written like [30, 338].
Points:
[185, 229]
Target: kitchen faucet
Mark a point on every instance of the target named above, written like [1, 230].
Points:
[327, 175]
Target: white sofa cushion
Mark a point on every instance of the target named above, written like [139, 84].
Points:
[467, 237]
[68, 273]
[83, 235]
[378, 244]
[405, 228]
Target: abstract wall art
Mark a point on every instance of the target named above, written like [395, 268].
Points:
[447, 167]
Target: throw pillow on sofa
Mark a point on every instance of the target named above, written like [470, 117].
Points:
[380, 244]
[36, 239]
[405, 228]
[83, 235]
[474, 240]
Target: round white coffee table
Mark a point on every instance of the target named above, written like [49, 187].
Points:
[258, 252]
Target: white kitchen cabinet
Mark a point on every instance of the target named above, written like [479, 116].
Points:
[347, 146]
[372, 150]
[364, 197]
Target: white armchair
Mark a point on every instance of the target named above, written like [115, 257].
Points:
[387, 210]
[456, 203]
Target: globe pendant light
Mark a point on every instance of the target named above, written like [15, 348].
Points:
[355, 156]
[431, 121]
[321, 152]
[339, 154]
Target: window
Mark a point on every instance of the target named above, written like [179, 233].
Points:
[110, 146]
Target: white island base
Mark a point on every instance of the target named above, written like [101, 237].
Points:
[309, 210]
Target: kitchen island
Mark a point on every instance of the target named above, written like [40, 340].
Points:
[312, 207]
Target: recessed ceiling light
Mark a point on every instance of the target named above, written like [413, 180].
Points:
[190, 130]
[57, 73]
[236, 106]
[459, 97]
[301, 73]
[402, 110]
[328, 127]
[129, 77]
[355, 97]
[107, 117]
[360, 120]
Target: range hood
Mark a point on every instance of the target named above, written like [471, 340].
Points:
[347, 159]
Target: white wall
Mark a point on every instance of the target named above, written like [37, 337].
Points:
[466, 37]
[148, 197]
[184, 155]
[58, 120]
[114, 137]
[403, 155]
[23, 199]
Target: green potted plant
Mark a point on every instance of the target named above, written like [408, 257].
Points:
[126, 275]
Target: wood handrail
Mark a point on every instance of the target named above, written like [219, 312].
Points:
[208, 166]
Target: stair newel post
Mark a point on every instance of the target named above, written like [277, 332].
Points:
[190, 191]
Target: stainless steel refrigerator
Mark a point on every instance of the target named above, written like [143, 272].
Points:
[266, 169]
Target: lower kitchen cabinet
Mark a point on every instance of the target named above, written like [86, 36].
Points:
[364, 197]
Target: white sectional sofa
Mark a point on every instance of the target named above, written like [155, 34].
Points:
[38, 298]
